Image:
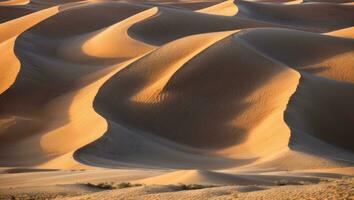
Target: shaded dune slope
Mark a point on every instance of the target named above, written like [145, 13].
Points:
[174, 25]
[327, 71]
[8, 13]
[324, 56]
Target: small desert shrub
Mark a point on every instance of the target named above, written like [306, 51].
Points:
[281, 182]
[303, 183]
[105, 186]
[348, 178]
[193, 186]
[325, 180]
[343, 178]
[111, 186]
[127, 184]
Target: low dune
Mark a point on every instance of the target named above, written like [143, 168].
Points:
[176, 99]
[345, 32]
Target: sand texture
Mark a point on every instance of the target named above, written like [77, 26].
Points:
[176, 99]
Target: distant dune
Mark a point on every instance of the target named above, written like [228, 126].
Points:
[175, 91]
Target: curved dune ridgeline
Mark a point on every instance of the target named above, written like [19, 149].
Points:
[14, 2]
[51, 113]
[181, 88]
[191, 85]
[10, 30]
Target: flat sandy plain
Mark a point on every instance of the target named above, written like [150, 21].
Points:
[178, 99]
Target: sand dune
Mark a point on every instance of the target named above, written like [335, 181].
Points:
[346, 32]
[319, 94]
[9, 32]
[328, 16]
[62, 107]
[174, 26]
[151, 87]
[244, 93]
[331, 57]
[14, 2]
[227, 8]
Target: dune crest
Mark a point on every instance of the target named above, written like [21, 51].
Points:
[226, 8]
[14, 2]
[10, 30]
[193, 45]
[69, 127]
[103, 43]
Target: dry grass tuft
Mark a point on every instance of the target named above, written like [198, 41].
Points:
[112, 185]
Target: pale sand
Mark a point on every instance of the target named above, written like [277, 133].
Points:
[245, 95]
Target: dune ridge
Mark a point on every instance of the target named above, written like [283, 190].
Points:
[9, 32]
[66, 116]
[14, 2]
[226, 8]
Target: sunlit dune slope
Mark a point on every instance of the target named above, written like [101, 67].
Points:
[346, 32]
[14, 2]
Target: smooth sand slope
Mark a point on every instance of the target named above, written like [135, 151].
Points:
[253, 94]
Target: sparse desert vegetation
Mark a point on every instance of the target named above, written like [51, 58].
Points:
[112, 185]
[339, 189]
[193, 186]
